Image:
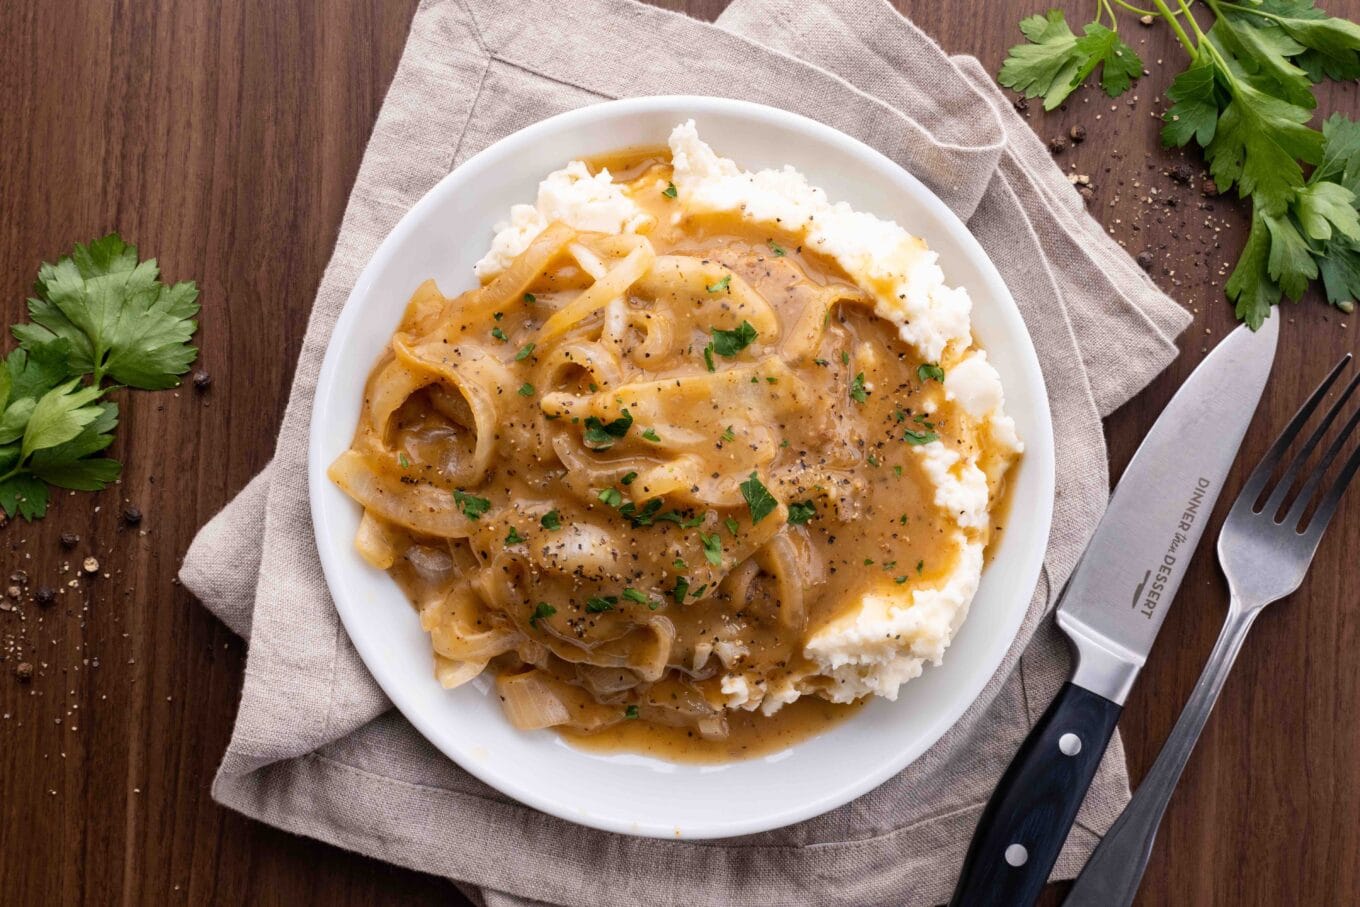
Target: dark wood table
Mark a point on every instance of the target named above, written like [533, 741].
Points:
[223, 138]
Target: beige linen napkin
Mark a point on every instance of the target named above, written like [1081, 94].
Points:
[318, 750]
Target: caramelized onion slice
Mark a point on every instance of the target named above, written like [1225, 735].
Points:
[421, 508]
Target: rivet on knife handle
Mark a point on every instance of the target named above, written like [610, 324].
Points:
[1023, 827]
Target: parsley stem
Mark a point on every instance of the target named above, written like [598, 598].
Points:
[1133, 9]
[1246, 9]
[1170, 17]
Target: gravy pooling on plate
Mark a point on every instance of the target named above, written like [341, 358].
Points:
[638, 474]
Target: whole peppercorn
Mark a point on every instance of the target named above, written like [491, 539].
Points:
[1208, 187]
[131, 515]
[45, 596]
[202, 380]
[1145, 260]
[1058, 145]
[23, 671]
[69, 540]
[1078, 134]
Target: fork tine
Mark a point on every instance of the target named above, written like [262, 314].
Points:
[1327, 508]
[1315, 478]
[1256, 482]
[1286, 482]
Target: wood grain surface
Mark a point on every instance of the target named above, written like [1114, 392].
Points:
[222, 136]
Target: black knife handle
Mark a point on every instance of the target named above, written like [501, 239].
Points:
[1026, 821]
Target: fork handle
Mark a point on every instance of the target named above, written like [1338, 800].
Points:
[1112, 875]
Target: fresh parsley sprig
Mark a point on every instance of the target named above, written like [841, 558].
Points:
[1246, 99]
[98, 315]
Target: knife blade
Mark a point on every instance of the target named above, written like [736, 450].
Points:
[1111, 610]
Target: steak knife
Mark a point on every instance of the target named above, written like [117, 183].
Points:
[1111, 611]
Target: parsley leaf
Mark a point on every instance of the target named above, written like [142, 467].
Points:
[552, 521]
[919, 437]
[1056, 61]
[857, 391]
[119, 319]
[630, 713]
[470, 505]
[513, 537]
[634, 595]
[600, 604]
[542, 611]
[611, 496]
[729, 343]
[928, 371]
[628, 478]
[759, 501]
[800, 512]
[719, 285]
[670, 191]
[776, 249]
[524, 352]
[526, 389]
[602, 435]
[651, 435]
[712, 548]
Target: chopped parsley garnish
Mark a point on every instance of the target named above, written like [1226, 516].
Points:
[513, 537]
[630, 713]
[471, 505]
[681, 589]
[497, 315]
[651, 435]
[800, 512]
[900, 416]
[919, 437]
[403, 462]
[602, 435]
[727, 434]
[719, 285]
[920, 565]
[900, 580]
[650, 513]
[499, 334]
[729, 343]
[634, 595]
[712, 548]
[822, 362]
[530, 298]
[552, 520]
[758, 498]
[699, 593]
[524, 352]
[690, 523]
[680, 564]
[868, 561]
[708, 358]
[526, 389]
[611, 497]
[776, 248]
[873, 460]
[732, 525]
[845, 358]
[601, 603]
[929, 371]
[857, 391]
[897, 470]
[628, 478]
[542, 611]
[670, 191]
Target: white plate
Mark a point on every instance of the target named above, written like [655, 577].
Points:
[441, 237]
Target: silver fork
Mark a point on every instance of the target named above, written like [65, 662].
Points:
[1264, 556]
